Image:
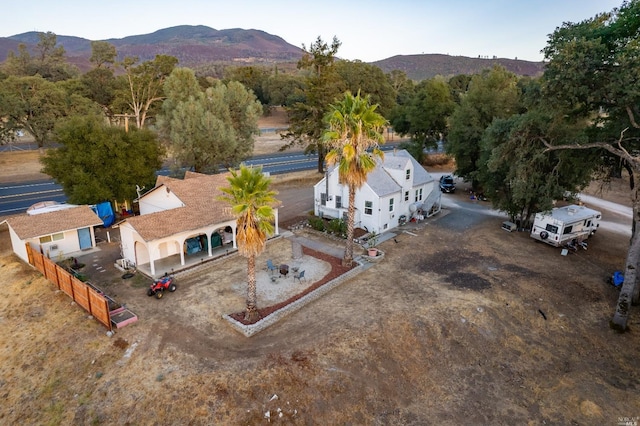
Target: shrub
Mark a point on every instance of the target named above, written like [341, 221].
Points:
[337, 227]
[316, 223]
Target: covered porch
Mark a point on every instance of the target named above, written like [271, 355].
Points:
[173, 263]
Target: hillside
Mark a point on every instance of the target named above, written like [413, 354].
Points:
[420, 67]
[192, 45]
[198, 46]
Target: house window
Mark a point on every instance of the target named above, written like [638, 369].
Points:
[408, 174]
[368, 207]
[406, 196]
[323, 199]
[391, 204]
[54, 237]
[418, 195]
[338, 202]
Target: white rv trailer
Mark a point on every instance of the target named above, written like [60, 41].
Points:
[563, 225]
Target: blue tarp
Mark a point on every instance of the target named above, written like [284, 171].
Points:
[618, 278]
[105, 213]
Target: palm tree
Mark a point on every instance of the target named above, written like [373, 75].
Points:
[251, 202]
[353, 134]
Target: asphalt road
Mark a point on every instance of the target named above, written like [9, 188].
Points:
[17, 197]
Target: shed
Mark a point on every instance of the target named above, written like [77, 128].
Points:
[59, 231]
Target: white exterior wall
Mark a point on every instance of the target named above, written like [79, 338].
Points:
[381, 215]
[128, 237]
[19, 246]
[335, 190]
[362, 220]
[66, 247]
[159, 200]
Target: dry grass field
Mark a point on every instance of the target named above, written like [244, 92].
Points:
[460, 324]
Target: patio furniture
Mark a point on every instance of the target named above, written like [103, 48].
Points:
[284, 270]
[299, 276]
[271, 267]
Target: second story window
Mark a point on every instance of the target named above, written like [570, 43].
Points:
[408, 174]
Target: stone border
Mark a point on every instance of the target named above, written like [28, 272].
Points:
[269, 320]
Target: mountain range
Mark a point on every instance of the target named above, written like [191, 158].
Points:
[196, 46]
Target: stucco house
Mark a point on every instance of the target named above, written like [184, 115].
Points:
[180, 220]
[398, 190]
[58, 231]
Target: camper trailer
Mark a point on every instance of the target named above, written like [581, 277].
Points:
[565, 225]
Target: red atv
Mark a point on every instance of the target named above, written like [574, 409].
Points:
[159, 286]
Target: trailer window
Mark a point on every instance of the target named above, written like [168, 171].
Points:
[568, 230]
[552, 229]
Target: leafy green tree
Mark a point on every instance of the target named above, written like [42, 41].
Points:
[48, 61]
[206, 129]
[32, 104]
[322, 87]
[353, 133]
[369, 80]
[252, 77]
[402, 86]
[252, 203]
[145, 84]
[593, 72]
[282, 89]
[97, 162]
[424, 116]
[459, 85]
[517, 174]
[103, 54]
[492, 94]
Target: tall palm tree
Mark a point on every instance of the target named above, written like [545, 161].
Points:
[251, 202]
[354, 131]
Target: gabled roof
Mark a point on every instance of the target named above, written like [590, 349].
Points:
[38, 225]
[399, 160]
[199, 193]
[382, 183]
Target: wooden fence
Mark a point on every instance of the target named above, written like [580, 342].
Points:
[82, 293]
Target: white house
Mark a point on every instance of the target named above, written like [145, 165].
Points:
[399, 189]
[180, 217]
[58, 231]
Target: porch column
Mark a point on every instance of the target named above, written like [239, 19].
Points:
[181, 249]
[209, 249]
[276, 217]
[152, 266]
[234, 229]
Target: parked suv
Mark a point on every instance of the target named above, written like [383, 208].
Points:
[447, 184]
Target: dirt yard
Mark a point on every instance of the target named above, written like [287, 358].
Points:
[458, 325]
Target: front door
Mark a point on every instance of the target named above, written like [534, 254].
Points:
[84, 237]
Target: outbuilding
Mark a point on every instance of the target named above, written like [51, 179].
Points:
[57, 231]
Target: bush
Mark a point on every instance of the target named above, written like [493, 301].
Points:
[316, 223]
[337, 227]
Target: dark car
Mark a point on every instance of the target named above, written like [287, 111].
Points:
[447, 184]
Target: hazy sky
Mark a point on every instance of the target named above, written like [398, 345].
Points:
[369, 30]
